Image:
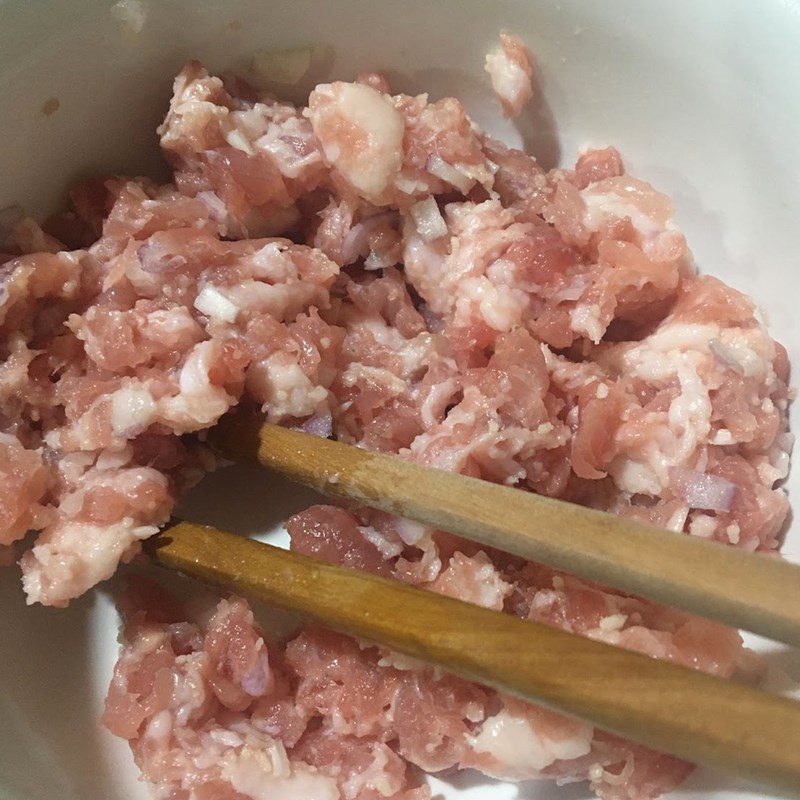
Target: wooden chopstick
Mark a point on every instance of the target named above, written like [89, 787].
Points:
[755, 592]
[703, 719]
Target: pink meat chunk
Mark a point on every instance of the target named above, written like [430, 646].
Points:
[510, 70]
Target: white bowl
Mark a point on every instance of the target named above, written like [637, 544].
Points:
[701, 96]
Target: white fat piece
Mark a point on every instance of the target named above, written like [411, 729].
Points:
[211, 302]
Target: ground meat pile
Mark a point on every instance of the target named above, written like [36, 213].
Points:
[374, 268]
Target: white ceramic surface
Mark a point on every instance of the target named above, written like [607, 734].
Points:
[701, 96]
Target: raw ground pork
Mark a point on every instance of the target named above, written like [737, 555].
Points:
[375, 268]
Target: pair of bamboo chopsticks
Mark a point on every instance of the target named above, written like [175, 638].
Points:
[695, 716]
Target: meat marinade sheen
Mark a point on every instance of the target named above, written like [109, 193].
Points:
[375, 268]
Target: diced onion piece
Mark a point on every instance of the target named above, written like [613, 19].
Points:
[701, 490]
[216, 208]
[437, 166]
[726, 355]
[319, 424]
[258, 680]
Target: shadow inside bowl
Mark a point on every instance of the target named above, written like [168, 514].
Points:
[51, 739]
[248, 500]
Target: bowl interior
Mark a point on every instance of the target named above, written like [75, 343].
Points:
[701, 97]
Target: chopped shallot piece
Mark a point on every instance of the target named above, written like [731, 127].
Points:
[701, 490]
